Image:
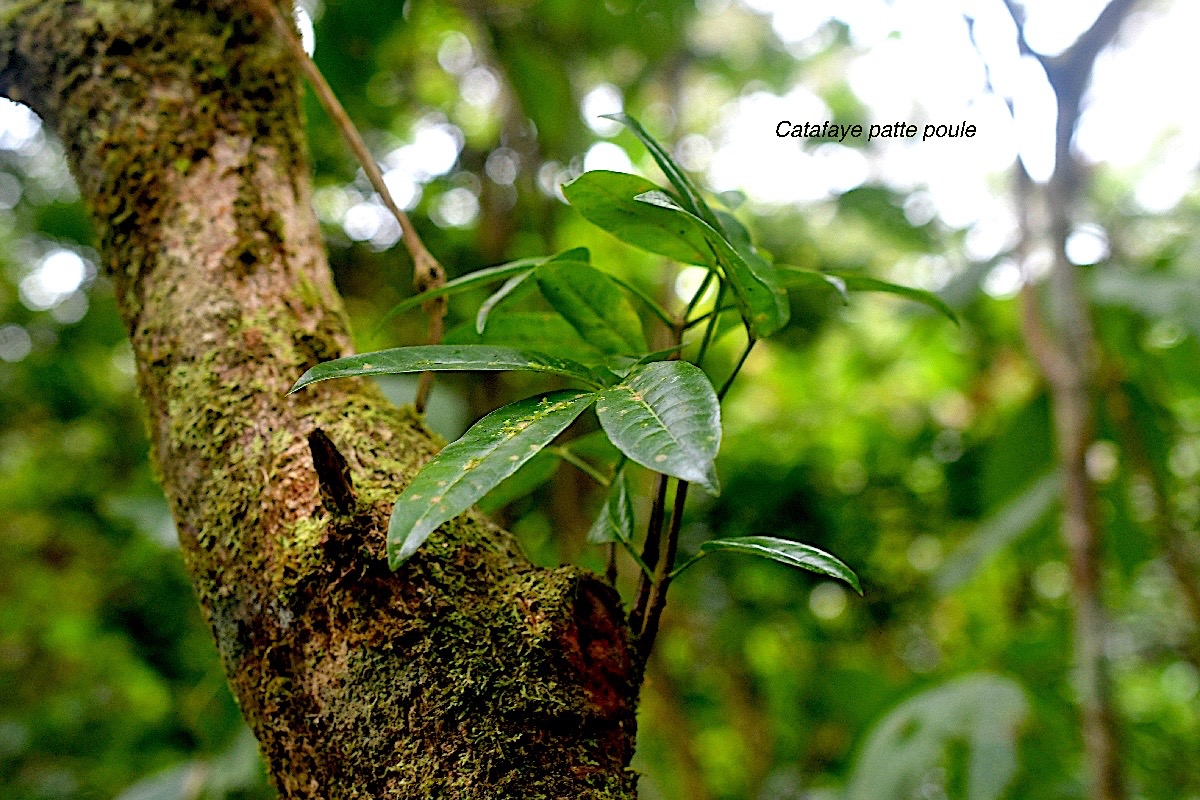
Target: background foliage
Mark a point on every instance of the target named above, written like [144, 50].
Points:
[920, 453]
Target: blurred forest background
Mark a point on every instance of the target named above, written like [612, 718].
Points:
[921, 453]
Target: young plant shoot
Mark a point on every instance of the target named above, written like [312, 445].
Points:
[659, 410]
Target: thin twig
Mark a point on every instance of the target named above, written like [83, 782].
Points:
[650, 551]
[712, 326]
[427, 272]
[697, 297]
[750, 342]
[578, 463]
[706, 316]
[662, 575]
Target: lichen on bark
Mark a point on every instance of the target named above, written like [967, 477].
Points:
[468, 673]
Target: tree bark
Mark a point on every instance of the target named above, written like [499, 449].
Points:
[466, 674]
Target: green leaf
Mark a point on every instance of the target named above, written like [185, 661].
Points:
[804, 278]
[856, 282]
[756, 286]
[982, 713]
[785, 551]
[732, 199]
[666, 417]
[530, 330]
[760, 298]
[615, 522]
[621, 366]
[469, 281]
[448, 358]
[493, 448]
[646, 299]
[594, 305]
[610, 201]
[532, 474]
[692, 199]
[657, 197]
[735, 231]
[999, 530]
[574, 254]
[607, 200]
[501, 294]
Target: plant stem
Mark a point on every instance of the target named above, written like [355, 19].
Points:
[662, 575]
[646, 571]
[650, 550]
[427, 272]
[737, 367]
[649, 301]
[698, 296]
[575, 461]
[716, 311]
[712, 326]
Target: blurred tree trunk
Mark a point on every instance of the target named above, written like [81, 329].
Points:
[1064, 348]
[466, 674]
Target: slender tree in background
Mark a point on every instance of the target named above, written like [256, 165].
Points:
[1065, 351]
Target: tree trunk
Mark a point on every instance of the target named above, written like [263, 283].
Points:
[466, 674]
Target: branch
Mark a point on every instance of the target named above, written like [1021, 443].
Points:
[428, 274]
[1065, 358]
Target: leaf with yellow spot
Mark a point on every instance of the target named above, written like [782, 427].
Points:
[666, 417]
[468, 468]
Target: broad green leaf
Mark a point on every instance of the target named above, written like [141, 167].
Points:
[732, 199]
[574, 254]
[692, 199]
[530, 330]
[999, 530]
[734, 230]
[666, 417]
[615, 521]
[532, 474]
[594, 305]
[448, 358]
[646, 299]
[500, 295]
[621, 366]
[856, 282]
[804, 278]
[469, 467]
[881, 211]
[469, 281]
[980, 713]
[785, 551]
[761, 299]
[659, 198]
[607, 200]
[759, 295]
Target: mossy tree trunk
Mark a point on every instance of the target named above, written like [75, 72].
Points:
[468, 673]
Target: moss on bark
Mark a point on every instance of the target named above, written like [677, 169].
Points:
[467, 674]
